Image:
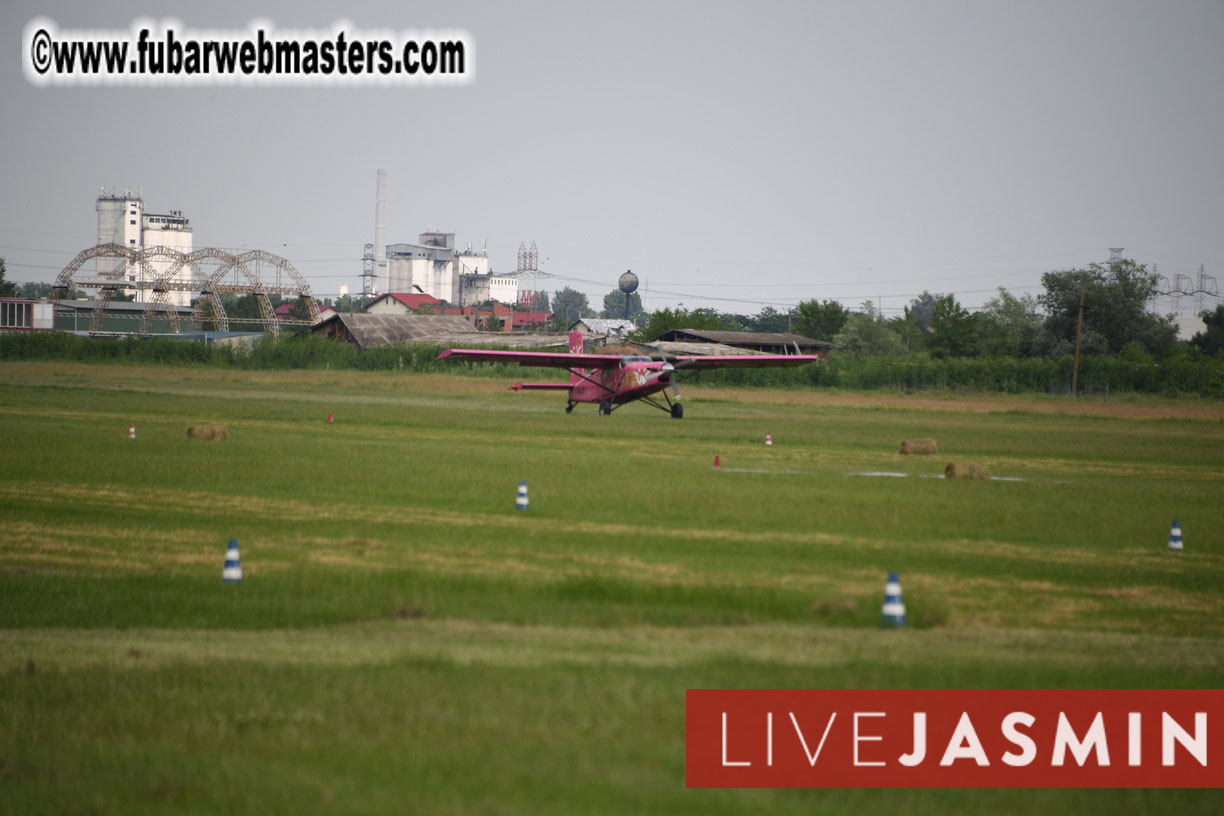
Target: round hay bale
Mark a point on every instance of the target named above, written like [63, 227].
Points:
[966, 470]
[919, 447]
[208, 433]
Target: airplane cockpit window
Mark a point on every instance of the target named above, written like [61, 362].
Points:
[630, 358]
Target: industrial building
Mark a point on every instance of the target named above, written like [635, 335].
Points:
[24, 314]
[434, 267]
[122, 220]
[117, 318]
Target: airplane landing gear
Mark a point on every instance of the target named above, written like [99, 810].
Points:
[605, 407]
[677, 410]
[569, 407]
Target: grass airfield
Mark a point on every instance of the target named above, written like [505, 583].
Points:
[405, 641]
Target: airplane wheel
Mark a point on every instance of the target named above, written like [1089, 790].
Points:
[677, 410]
[569, 408]
[605, 407]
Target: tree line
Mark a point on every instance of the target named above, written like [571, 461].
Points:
[1115, 320]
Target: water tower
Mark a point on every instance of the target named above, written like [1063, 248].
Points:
[628, 284]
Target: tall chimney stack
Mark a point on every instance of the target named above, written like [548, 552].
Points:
[380, 231]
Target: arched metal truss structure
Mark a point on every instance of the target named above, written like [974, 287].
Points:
[207, 274]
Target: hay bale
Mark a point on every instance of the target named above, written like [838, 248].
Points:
[966, 471]
[919, 447]
[209, 433]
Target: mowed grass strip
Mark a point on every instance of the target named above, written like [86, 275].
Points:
[310, 580]
[500, 644]
[638, 525]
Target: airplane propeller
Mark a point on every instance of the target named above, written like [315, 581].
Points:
[665, 370]
[670, 368]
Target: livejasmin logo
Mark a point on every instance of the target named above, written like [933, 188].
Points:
[965, 744]
[954, 738]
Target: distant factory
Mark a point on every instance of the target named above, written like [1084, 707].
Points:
[122, 220]
[433, 266]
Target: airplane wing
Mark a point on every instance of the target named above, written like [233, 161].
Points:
[740, 361]
[533, 358]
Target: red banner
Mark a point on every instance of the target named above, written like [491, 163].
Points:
[955, 738]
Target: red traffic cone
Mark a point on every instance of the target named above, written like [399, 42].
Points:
[716, 461]
[132, 431]
[768, 439]
[329, 418]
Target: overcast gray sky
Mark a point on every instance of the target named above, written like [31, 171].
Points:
[759, 153]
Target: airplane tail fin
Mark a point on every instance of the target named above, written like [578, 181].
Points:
[576, 346]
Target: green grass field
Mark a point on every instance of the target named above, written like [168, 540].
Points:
[404, 641]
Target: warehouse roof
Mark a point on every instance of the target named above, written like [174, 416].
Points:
[367, 331]
[772, 342]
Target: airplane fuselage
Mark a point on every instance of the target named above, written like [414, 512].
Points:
[631, 380]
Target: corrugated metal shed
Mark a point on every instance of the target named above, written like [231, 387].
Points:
[596, 325]
[120, 317]
[769, 342]
[511, 340]
[697, 349]
[367, 331]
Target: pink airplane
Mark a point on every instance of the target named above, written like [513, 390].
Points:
[612, 380]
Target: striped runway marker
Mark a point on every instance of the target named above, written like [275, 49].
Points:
[233, 566]
[894, 607]
[1175, 539]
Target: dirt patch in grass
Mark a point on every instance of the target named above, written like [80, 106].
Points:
[621, 564]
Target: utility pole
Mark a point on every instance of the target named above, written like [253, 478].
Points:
[1079, 328]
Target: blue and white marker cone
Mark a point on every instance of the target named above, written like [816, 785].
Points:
[894, 607]
[233, 566]
[1175, 542]
[521, 502]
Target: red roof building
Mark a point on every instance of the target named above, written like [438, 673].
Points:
[282, 311]
[524, 321]
[511, 320]
[404, 303]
